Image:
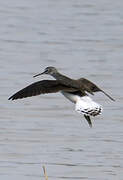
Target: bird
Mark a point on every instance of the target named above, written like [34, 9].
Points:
[76, 90]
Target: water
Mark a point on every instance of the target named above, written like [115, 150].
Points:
[80, 38]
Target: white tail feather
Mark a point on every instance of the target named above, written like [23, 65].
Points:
[87, 106]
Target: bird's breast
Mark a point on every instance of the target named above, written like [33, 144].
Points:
[72, 97]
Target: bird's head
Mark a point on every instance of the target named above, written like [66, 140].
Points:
[48, 70]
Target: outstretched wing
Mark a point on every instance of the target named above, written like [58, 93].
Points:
[90, 87]
[37, 88]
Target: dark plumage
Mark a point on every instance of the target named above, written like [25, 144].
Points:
[79, 87]
[40, 87]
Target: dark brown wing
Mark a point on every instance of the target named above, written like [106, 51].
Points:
[91, 87]
[40, 87]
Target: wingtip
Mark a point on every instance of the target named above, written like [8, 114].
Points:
[10, 98]
[113, 99]
[108, 95]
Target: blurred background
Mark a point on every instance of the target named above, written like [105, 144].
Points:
[81, 39]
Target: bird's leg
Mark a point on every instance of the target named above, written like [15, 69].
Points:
[88, 120]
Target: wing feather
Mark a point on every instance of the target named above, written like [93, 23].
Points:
[37, 88]
[90, 87]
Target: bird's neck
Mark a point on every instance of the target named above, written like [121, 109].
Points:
[66, 80]
[59, 76]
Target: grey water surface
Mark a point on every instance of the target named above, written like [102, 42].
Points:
[82, 39]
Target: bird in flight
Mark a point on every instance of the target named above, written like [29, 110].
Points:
[75, 90]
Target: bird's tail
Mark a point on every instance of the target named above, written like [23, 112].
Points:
[88, 107]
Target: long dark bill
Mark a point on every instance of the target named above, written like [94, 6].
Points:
[39, 74]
